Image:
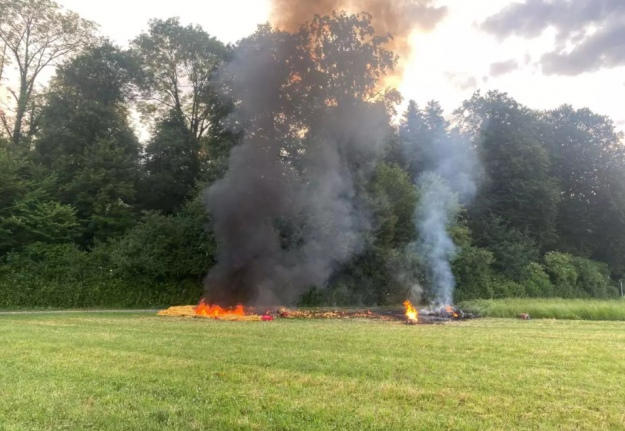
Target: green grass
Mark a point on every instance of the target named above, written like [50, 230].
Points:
[569, 309]
[141, 372]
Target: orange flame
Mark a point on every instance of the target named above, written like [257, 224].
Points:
[451, 310]
[207, 310]
[411, 312]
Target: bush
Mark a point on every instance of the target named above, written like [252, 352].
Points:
[63, 276]
[474, 277]
[593, 278]
[578, 277]
[536, 281]
[505, 288]
[563, 274]
[512, 249]
[165, 248]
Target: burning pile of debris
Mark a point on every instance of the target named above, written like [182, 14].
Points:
[435, 314]
[207, 311]
[409, 314]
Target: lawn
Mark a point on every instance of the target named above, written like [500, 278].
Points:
[142, 372]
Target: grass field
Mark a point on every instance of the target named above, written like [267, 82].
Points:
[142, 372]
[569, 309]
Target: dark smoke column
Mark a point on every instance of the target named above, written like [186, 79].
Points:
[290, 209]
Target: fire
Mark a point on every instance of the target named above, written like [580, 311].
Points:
[451, 310]
[215, 311]
[411, 312]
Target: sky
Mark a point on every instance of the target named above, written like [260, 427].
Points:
[544, 53]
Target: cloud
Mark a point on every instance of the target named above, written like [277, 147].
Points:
[503, 67]
[462, 81]
[604, 49]
[520, 19]
[590, 34]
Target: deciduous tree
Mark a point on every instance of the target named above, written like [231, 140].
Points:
[178, 65]
[34, 35]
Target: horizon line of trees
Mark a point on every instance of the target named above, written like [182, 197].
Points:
[91, 217]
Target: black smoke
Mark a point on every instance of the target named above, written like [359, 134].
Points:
[290, 210]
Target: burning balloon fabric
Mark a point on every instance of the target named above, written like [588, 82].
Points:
[190, 311]
[412, 315]
[409, 315]
[207, 311]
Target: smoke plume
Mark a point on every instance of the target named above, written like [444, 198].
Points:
[450, 177]
[437, 207]
[400, 18]
[289, 212]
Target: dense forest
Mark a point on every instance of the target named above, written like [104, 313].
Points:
[237, 161]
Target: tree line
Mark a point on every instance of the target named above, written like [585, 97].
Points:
[92, 216]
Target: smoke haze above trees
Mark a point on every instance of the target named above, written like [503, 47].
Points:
[398, 18]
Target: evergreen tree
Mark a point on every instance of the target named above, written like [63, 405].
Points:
[518, 185]
[86, 139]
[172, 166]
[28, 211]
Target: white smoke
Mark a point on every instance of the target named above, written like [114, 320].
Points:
[437, 208]
[449, 178]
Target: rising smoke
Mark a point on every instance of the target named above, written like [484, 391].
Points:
[400, 18]
[289, 211]
[450, 179]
